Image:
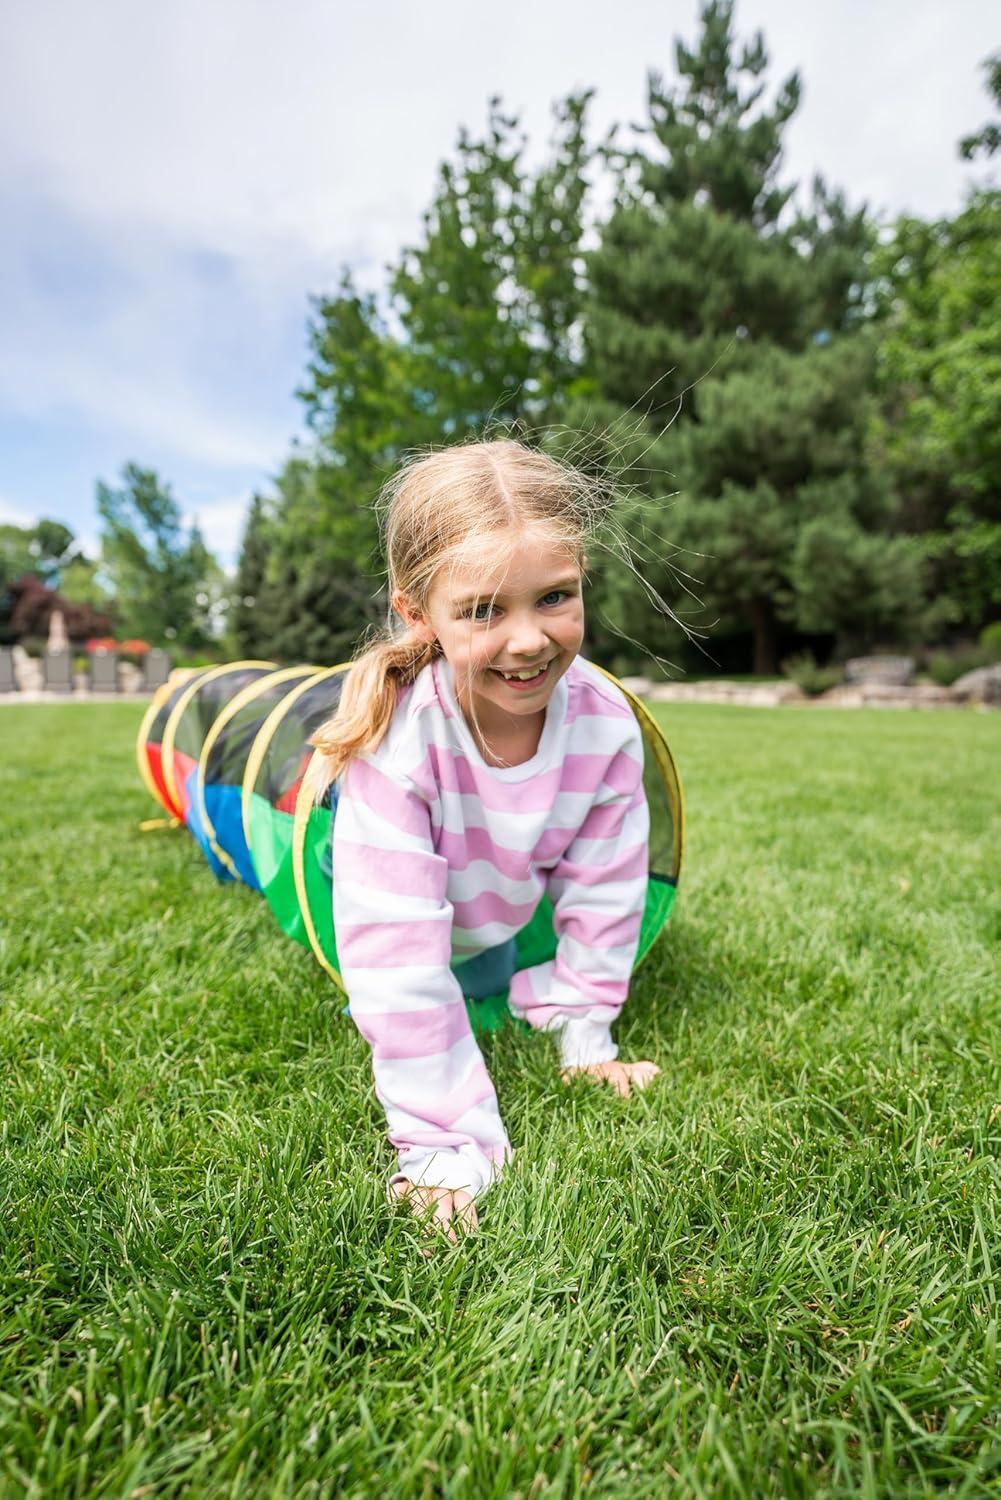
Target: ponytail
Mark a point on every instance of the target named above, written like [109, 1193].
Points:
[367, 703]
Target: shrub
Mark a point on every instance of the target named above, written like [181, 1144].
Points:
[198, 660]
[804, 670]
[946, 667]
[990, 643]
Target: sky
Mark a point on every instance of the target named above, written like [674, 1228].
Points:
[178, 179]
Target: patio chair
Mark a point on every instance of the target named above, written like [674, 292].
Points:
[156, 669]
[102, 670]
[58, 672]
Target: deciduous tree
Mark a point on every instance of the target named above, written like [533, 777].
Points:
[478, 327]
[163, 576]
[938, 432]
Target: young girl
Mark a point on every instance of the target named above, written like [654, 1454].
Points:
[482, 763]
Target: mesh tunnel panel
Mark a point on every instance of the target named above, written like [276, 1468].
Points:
[198, 706]
[223, 765]
[288, 753]
[276, 765]
[151, 735]
[214, 691]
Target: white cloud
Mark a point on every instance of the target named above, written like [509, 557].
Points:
[147, 409]
[237, 124]
[221, 523]
[90, 545]
[124, 331]
[177, 178]
[252, 127]
[13, 515]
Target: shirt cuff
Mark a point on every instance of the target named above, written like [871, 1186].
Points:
[583, 1042]
[454, 1167]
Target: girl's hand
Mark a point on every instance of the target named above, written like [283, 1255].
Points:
[622, 1076]
[441, 1208]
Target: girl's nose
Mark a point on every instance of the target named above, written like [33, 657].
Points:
[525, 638]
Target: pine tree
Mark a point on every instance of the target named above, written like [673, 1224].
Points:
[717, 309]
[490, 299]
[247, 618]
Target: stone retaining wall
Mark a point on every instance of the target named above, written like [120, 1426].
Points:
[986, 692]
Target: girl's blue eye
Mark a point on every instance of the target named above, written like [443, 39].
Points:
[482, 612]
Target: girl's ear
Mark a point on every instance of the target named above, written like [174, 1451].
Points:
[413, 617]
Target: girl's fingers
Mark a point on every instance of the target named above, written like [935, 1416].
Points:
[606, 1072]
[465, 1211]
[622, 1076]
[422, 1200]
[443, 1214]
[439, 1207]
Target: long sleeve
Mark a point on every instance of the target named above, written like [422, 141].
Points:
[393, 925]
[598, 891]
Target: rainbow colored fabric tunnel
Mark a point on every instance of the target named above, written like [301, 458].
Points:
[225, 751]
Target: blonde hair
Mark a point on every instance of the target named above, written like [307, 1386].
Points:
[439, 509]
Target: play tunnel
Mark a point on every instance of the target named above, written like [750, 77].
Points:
[225, 751]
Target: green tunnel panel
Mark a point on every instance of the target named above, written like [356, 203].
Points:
[271, 847]
[536, 942]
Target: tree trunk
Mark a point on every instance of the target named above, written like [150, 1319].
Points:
[765, 644]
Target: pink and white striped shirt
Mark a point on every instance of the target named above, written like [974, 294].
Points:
[438, 856]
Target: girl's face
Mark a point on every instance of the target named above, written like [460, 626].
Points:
[509, 628]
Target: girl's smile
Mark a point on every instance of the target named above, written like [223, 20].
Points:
[524, 680]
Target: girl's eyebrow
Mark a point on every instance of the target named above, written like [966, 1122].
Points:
[571, 581]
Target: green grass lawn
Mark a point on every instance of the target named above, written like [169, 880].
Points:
[774, 1273]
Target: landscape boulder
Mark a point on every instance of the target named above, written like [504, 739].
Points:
[740, 694]
[886, 695]
[28, 671]
[894, 671]
[983, 685]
